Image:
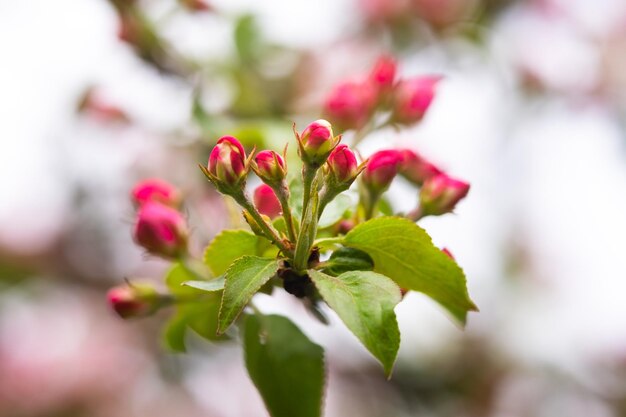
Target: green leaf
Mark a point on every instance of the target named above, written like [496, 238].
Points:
[243, 279]
[174, 333]
[335, 210]
[348, 259]
[228, 246]
[365, 301]
[200, 315]
[210, 286]
[286, 367]
[404, 252]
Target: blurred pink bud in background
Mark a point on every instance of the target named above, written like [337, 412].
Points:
[154, 189]
[383, 75]
[350, 104]
[384, 10]
[134, 300]
[415, 168]
[413, 97]
[161, 230]
[94, 105]
[381, 169]
[441, 193]
[196, 5]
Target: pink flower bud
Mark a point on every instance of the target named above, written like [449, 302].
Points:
[412, 98]
[441, 193]
[266, 202]
[161, 230]
[227, 162]
[270, 166]
[342, 164]
[383, 75]
[415, 168]
[350, 104]
[381, 169]
[155, 190]
[133, 300]
[316, 142]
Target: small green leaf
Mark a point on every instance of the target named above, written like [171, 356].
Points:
[335, 210]
[365, 301]
[199, 315]
[210, 286]
[348, 259]
[174, 333]
[243, 279]
[228, 246]
[285, 366]
[404, 252]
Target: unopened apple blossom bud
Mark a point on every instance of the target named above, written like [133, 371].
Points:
[342, 165]
[415, 168]
[134, 300]
[440, 194]
[316, 142]
[161, 230]
[270, 167]
[350, 104]
[381, 169]
[154, 189]
[412, 98]
[266, 202]
[227, 163]
[383, 75]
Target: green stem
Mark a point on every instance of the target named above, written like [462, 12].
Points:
[270, 233]
[308, 222]
[368, 201]
[308, 175]
[282, 192]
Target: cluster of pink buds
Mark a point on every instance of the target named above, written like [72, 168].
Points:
[439, 193]
[352, 104]
[159, 228]
[319, 150]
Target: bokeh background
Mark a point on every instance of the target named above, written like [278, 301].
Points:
[531, 111]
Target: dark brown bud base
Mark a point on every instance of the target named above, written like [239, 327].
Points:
[296, 284]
